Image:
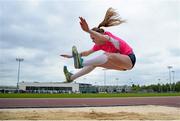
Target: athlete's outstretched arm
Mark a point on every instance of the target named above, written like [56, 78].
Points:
[66, 56]
[86, 53]
[85, 27]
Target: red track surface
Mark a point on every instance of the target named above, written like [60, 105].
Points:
[87, 102]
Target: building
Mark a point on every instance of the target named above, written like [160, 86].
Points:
[60, 87]
[56, 87]
[8, 89]
[114, 89]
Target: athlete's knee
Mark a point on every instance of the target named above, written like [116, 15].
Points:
[129, 66]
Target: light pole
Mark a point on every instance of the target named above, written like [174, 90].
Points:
[173, 80]
[104, 77]
[117, 79]
[159, 85]
[19, 61]
[170, 67]
[173, 75]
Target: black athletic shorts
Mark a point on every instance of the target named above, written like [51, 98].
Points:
[133, 58]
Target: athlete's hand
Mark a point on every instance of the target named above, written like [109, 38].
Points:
[66, 56]
[84, 24]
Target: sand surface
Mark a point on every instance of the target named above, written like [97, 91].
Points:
[148, 112]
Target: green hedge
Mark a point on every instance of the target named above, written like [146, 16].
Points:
[87, 95]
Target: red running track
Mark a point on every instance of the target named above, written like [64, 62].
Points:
[86, 102]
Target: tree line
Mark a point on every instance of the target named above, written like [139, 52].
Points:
[173, 87]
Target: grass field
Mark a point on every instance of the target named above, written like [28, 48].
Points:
[87, 95]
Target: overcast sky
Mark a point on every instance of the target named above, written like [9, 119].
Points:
[40, 30]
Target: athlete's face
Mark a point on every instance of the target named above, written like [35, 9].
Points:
[94, 39]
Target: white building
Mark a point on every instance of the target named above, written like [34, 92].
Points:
[51, 87]
[60, 87]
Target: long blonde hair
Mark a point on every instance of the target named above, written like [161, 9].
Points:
[111, 19]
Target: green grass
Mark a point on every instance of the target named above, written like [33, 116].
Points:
[102, 95]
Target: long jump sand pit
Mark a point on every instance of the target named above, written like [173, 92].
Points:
[148, 112]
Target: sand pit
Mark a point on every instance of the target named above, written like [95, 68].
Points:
[148, 112]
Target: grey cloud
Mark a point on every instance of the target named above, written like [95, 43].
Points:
[22, 27]
[175, 52]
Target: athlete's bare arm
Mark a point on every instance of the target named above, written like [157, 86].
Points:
[98, 36]
[86, 53]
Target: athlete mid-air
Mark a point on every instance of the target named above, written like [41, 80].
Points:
[118, 55]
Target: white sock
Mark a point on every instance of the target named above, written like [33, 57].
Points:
[99, 60]
[83, 71]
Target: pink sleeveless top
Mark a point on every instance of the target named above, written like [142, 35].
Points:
[117, 45]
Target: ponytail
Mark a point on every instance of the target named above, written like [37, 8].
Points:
[111, 19]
